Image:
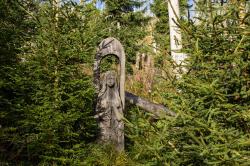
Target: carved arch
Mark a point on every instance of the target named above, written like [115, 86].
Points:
[110, 46]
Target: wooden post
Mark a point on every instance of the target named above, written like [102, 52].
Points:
[175, 34]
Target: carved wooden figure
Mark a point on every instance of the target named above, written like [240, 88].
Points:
[110, 95]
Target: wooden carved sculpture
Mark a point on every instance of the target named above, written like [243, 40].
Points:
[110, 95]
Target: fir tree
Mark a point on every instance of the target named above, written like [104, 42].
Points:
[211, 100]
[125, 23]
[160, 10]
[16, 28]
[53, 119]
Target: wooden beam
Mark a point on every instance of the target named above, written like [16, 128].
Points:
[156, 109]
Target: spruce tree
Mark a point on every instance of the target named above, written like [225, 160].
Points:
[127, 23]
[53, 119]
[161, 31]
[16, 28]
[211, 99]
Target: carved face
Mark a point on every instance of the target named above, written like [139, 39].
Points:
[110, 80]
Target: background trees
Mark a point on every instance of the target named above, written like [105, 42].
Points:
[127, 23]
[212, 99]
[51, 100]
[16, 28]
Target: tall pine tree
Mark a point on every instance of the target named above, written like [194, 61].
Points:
[52, 121]
[211, 100]
[126, 22]
[16, 28]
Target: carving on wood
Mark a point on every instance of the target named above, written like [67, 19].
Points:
[110, 112]
[110, 94]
